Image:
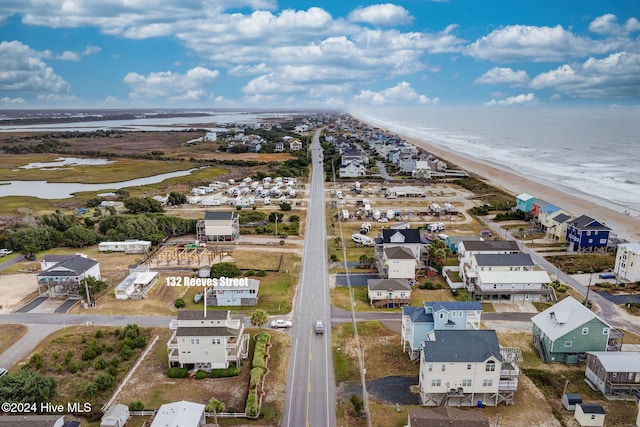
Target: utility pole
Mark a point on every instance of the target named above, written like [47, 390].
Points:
[586, 300]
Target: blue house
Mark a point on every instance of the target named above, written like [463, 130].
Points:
[418, 322]
[585, 234]
[524, 201]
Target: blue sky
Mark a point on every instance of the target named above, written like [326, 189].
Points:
[329, 54]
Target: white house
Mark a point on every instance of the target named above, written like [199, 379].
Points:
[242, 292]
[295, 145]
[352, 169]
[589, 415]
[493, 262]
[279, 147]
[128, 246]
[511, 286]
[422, 170]
[218, 226]
[627, 265]
[388, 293]
[136, 285]
[398, 263]
[180, 414]
[453, 372]
[211, 341]
[116, 416]
[64, 277]
[408, 238]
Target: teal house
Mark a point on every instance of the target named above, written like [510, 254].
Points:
[524, 202]
[567, 330]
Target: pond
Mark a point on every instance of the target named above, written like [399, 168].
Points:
[64, 190]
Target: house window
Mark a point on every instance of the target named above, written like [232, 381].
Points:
[441, 315]
[466, 383]
[490, 366]
[469, 367]
[568, 344]
[459, 314]
[593, 417]
[195, 341]
[430, 367]
[605, 331]
[443, 367]
[487, 383]
[454, 314]
[379, 294]
[435, 382]
[585, 331]
[588, 232]
[590, 240]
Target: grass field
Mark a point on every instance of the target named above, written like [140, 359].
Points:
[9, 334]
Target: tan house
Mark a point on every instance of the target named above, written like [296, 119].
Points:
[388, 293]
[211, 341]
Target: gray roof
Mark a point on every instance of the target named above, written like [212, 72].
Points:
[618, 361]
[411, 235]
[563, 317]
[387, 285]
[455, 346]
[492, 245]
[454, 305]
[399, 252]
[30, 420]
[206, 331]
[587, 223]
[504, 260]
[446, 416]
[74, 266]
[592, 408]
[219, 216]
[560, 218]
[199, 314]
[417, 314]
[458, 239]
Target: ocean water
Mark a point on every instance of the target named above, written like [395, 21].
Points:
[593, 150]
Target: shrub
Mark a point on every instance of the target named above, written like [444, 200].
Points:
[177, 372]
[100, 364]
[334, 258]
[72, 367]
[261, 273]
[98, 334]
[136, 406]
[256, 374]
[214, 405]
[200, 375]
[179, 303]
[231, 371]
[249, 273]
[260, 350]
[112, 370]
[251, 406]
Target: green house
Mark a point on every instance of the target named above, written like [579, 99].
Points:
[567, 330]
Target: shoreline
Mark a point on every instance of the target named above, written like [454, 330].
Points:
[622, 225]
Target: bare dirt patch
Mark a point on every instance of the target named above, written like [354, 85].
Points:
[14, 288]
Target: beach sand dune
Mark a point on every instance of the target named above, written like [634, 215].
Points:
[623, 225]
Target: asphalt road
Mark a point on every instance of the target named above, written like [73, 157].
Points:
[310, 395]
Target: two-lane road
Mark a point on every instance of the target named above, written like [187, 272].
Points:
[310, 397]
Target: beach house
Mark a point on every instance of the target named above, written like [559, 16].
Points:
[567, 330]
[524, 202]
[397, 263]
[627, 265]
[471, 265]
[388, 293]
[585, 234]
[615, 373]
[418, 322]
[409, 238]
[235, 293]
[63, 279]
[352, 169]
[512, 286]
[218, 226]
[557, 227]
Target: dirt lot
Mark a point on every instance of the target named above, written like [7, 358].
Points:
[14, 288]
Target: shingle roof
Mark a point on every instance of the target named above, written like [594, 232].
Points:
[458, 239]
[417, 314]
[411, 235]
[592, 408]
[560, 218]
[504, 260]
[387, 285]
[491, 245]
[454, 305]
[219, 216]
[454, 346]
[585, 222]
[206, 331]
[199, 314]
[446, 416]
[74, 266]
[399, 252]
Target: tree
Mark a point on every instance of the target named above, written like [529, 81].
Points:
[224, 269]
[274, 215]
[179, 303]
[176, 198]
[94, 285]
[357, 404]
[78, 236]
[215, 405]
[58, 220]
[142, 204]
[259, 318]
[27, 386]
[284, 206]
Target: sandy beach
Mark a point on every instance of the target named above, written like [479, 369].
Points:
[623, 225]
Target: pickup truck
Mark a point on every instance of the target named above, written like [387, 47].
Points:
[281, 323]
[318, 327]
[4, 252]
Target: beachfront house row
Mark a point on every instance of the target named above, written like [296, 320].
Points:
[417, 322]
[207, 340]
[237, 293]
[455, 373]
[397, 263]
[585, 234]
[615, 373]
[627, 265]
[470, 266]
[64, 278]
[535, 207]
[524, 202]
[567, 330]
[218, 227]
[388, 293]
[512, 286]
[547, 213]
[557, 228]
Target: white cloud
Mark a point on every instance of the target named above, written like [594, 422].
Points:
[91, 50]
[195, 84]
[67, 55]
[24, 70]
[615, 76]
[381, 14]
[512, 100]
[6, 101]
[498, 75]
[401, 93]
[537, 44]
[608, 24]
[248, 70]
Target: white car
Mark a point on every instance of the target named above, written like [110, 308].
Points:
[281, 323]
[4, 252]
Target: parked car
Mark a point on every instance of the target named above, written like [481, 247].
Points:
[3, 372]
[319, 327]
[4, 252]
[281, 323]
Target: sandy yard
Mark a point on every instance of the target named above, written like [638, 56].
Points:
[14, 288]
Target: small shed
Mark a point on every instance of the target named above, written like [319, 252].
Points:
[570, 400]
[116, 416]
[590, 414]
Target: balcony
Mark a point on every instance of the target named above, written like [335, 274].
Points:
[174, 355]
[508, 385]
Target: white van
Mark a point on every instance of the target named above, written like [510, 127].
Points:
[435, 226]
[362, 239]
